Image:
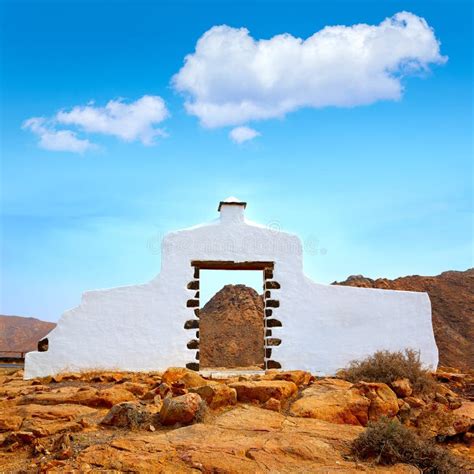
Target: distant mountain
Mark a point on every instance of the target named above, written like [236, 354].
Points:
[22, 334]
[452, 301]
[231, 329]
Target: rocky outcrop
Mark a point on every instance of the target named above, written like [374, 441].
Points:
[452, 301]
[231, 329]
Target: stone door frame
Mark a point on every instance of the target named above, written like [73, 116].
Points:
[269, 302]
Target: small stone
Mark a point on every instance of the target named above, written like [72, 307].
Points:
[10, 422]
[126, 415]
[152, 428]
[441, 399]
[272, 404]
[178, 388]
[415, 402]
[216, 395]
[402, 387]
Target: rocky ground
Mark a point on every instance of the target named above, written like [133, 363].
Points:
[178, 421]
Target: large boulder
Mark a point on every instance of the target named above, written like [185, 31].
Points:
[182, 409]
[333, 400]
[216, 395]
[263, 390]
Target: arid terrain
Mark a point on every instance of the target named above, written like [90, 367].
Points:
[452, 302]
[178, 421]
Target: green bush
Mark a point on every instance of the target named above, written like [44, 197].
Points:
[386, 367]
[389, 442]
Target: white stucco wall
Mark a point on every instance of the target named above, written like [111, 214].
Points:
[141, 327]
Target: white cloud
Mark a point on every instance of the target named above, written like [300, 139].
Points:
[243, 134]
[232, 78]
[130, 122]
[56, 140]
[135, 121]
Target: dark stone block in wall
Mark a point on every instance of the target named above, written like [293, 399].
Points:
[272, 303]
[193, 366]
[268, 333]
[268, 353]
[192, 303]
[273, 341]
[196, 312]
[191, 324]
[193, 285]
[273, 323]
[268, 274]
[193, 344]
[268, 294]
[197, 355]
[273, 364]
[268, 313]
[272, 285]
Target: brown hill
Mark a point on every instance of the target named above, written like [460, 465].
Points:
[22, 334]
[231, 329]
[452, 301]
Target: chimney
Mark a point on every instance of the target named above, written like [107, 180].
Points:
[232, 210]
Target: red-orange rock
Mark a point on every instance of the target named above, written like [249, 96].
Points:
[402, 388]
[181, 409]
[298, 377]
[189, 378]
[332, 400]
[383, 401]
[83, 396]
[272, 404]
[263, 390]
[9, 421]
[216, 395]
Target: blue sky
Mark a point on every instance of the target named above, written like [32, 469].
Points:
[382, 189]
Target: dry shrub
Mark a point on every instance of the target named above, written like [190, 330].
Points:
[386, 367]
[389, 442]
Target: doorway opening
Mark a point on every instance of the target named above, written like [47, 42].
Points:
[231, 320]
[233, 315]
